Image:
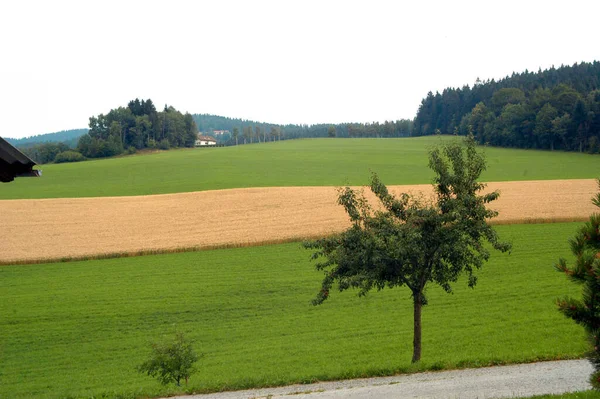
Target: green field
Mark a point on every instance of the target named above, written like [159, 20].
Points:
[311, 162]
[79, 329]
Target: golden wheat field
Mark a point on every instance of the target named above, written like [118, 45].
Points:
[52, 229]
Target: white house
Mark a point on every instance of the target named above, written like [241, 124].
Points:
[205, 140]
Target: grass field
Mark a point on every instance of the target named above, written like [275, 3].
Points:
[79, 329]
[311, 162]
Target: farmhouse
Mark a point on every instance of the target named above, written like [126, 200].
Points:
[205, 140]
[13, 163]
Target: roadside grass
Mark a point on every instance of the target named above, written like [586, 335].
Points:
[309, 162]
[79, 329]
[573, 395]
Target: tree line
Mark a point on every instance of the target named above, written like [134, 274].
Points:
[241, 131]
[558, 108]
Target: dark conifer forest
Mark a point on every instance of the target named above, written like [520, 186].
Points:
[558, 108]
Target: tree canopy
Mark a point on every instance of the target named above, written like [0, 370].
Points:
[137, 126]
[558, 108]
[412, 242]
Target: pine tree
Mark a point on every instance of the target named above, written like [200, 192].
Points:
[586, 271]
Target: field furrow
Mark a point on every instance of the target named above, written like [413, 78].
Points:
[45, 229]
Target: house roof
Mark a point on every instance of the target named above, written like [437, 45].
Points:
[13, 163]
[206, 138]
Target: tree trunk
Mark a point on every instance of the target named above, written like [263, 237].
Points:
[418, 305]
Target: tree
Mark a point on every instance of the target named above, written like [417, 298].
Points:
[257, 133]
[331, 131]
[411, 243]
[236, 133]
[560, 126]
[171, 361]
[274, 133]
[543, 126]
[247, 133]
[586, 271]
[506, 96]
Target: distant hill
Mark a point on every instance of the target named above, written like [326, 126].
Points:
[69, 137]
[263, 131]
[207, 122]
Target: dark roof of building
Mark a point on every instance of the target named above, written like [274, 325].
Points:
[13, 163]
[206, 138]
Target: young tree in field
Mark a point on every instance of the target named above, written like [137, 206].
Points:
[586, 271]
[411, 243]
[171, 362]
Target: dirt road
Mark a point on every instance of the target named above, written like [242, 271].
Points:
[521, 380]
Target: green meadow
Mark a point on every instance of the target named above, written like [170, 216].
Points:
[309, 162]
[78, 329]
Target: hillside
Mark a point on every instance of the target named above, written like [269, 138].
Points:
[68, 137]
[313, 162]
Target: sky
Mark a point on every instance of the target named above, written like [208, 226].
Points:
[301, 62]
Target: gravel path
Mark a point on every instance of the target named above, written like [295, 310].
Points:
[521, 380]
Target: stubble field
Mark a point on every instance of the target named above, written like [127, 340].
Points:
[54, 229]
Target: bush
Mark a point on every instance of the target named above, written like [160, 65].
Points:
[164, 144]
[171, 361]
[131, 150]
[68, 156]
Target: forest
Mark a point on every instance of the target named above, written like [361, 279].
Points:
[558, 108]
[136, 127]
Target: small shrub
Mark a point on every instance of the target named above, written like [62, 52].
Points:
[68, 156]
[170, 362]
[164, 144]
[131, 150]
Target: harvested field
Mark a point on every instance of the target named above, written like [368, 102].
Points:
[54, 229]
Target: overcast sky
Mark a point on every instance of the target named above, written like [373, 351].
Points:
[271, 61]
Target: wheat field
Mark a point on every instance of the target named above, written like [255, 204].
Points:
[77, 228]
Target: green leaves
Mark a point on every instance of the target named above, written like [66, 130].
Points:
[170, 362]
[410, 243]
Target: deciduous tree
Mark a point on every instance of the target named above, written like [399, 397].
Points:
[236, 133]
[171, 362]
[410, 242]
